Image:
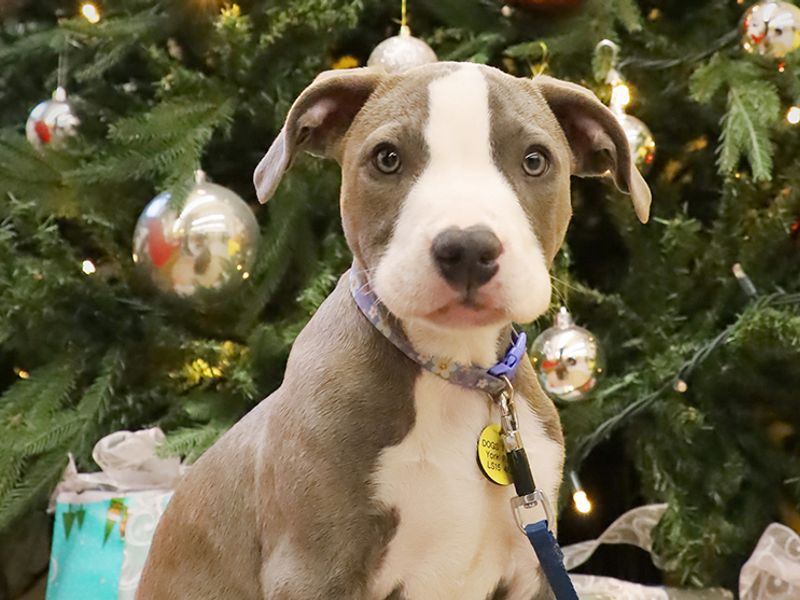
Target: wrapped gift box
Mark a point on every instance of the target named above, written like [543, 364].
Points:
[104, 522]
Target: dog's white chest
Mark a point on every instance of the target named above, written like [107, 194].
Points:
[456, 536]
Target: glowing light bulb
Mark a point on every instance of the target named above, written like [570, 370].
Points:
[620, 95]
[680, 386]
[793, 115]
[21, 373]
[88, 267]
[579, 497]
[90, 12]
[582, 503]
[245, 275]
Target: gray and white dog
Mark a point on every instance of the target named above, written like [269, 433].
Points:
[357, 478]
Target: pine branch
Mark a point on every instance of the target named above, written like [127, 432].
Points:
[314, 15]
[12, 467]
[629, 15]
[190, 443]
[753, 108]
[274, 255]
[742, 326]
[165, 143]
[117, 29]
[96, 399]
[57, 433]
[37, 398]
[746, 129]
[39, 478]
[37, 428]
[47, 41]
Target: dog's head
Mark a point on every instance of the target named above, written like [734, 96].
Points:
[455, 181]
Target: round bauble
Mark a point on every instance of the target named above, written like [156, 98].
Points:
[52, 122]
[640, 140]
[202, 249]
[771, 28]
[568, 359]
[401, 53]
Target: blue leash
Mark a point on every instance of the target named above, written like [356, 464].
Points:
[552, 560]
[543, 541]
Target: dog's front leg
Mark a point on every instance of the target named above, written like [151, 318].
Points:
[295, 573]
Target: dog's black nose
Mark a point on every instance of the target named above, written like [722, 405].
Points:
[466, 258]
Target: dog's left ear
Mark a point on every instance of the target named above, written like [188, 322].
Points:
[317, 122]
[597, 140]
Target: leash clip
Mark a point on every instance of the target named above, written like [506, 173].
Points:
[522, 504]
[509, 421]
[529, 496]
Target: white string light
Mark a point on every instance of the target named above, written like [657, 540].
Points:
[90, 12]
[88, 267]
[620, 96]
[579, 497]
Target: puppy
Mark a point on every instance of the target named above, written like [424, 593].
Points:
[357, 478]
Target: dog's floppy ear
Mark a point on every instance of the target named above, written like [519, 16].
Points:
[317, 122]
[596, 139]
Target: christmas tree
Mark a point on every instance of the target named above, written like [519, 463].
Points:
[698, 405]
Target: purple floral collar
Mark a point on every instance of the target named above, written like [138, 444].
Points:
[469, 376]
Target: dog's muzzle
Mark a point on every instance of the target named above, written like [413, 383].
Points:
[466, 258]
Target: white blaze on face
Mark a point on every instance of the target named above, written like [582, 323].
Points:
[461, 187]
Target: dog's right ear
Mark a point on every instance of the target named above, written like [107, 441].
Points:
[317, 122]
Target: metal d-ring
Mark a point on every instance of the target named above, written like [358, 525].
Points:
[529, 502]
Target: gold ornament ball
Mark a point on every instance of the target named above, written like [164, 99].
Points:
[640, 140]
[401, 53]
[202, 249]
[568, 359]
[771, 29]
[52, 122]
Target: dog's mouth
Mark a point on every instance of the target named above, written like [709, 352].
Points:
[468, 310]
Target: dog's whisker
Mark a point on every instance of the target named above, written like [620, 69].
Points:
[559, 291]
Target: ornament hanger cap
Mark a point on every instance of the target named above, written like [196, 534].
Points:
[606, 53]
[607, 45]
[563, 318]
[200, 176]
[405, 31]
[60, 94]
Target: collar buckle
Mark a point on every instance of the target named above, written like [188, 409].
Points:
[507, 367]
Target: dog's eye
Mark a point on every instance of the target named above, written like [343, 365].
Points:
[387, 159]
[535, 162]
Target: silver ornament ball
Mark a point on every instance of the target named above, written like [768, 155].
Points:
[640, 140]
[401, 53]
[200, 250]
[52, 122]
[771, 29]
[568, 359]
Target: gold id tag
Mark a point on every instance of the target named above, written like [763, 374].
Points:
[492, 456]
